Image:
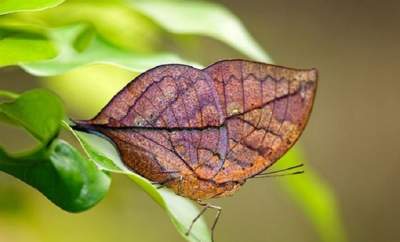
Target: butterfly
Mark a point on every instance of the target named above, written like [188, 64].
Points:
[204, 132]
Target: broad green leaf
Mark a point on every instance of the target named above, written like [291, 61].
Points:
[315, 198]
[127, 24]
[38, 111]
[97, 51]
[61, 174]
[12, 6]
[23, 43]
[202, 18]
[181, 211]
[56, 169]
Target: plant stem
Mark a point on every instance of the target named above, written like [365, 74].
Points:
[67, 127]
[8, 94]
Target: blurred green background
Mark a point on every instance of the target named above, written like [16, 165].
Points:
[351, 140]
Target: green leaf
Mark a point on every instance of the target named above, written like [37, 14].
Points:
[38, 111]
[127, 24]
[314, 197]
[21, 43]
[56, 169]
[61, 174]
[181, 210]
[12, 6]
[202, 18]
[97, 51]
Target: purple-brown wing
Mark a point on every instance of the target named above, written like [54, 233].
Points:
[266, 108]
[225, 123]
[167, 122]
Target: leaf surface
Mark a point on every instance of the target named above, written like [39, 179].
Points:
[97, 50]
[55, 168]
[21, 43]
[203, 18]
[12, 6]
[23, 111]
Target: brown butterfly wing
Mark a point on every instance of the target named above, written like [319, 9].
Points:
[160, 123]
[225, 123]
[266, 109]
[168, 96]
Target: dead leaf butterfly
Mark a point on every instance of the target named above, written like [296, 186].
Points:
[203, 133]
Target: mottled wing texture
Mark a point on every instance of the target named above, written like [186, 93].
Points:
[168, 96]
[203, 132]
[266, 108]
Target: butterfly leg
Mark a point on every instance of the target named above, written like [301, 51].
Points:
[217, 215]
[205, 207]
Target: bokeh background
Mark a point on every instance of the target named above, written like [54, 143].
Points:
[351, 140]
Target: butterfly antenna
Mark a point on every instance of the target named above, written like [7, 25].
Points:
[278, 175]
[284, 169]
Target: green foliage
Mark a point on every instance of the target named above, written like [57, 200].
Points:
[131, 35]
[61, 174]
[98, 14]
[203, 18]
[78, 46]
[23, 112]
[55, 168]
[12, 6]
[15, 37]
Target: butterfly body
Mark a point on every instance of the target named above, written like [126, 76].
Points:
[203, 133]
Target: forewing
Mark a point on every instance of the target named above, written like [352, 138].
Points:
[160, 123]
[168, 96]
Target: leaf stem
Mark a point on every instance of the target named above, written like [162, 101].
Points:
[8, 94]
[67, 127]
